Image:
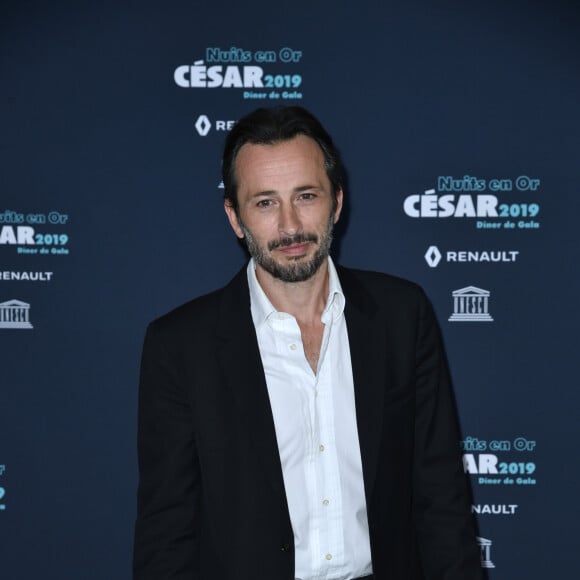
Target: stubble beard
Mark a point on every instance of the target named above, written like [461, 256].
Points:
[296, 271]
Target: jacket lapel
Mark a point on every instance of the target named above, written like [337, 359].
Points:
[244, 374]
[367, 350]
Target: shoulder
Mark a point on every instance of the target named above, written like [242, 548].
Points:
[202, 314]
[380, 287]
[400, 305]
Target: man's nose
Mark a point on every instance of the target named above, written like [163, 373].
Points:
[289, 221]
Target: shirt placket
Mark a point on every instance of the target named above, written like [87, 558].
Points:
[331, 554]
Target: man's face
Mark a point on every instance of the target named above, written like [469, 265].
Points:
[285, 208]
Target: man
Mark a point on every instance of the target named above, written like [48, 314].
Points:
[298, 423]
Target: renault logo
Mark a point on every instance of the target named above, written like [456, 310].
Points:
[433, 256]
[203, 125]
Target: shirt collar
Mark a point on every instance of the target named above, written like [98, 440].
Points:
[262, 308]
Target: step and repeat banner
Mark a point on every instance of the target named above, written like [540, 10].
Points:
[459, 126]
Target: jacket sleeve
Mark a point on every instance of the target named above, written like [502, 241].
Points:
[166, 542]
[441, 498]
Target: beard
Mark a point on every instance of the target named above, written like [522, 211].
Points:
[297, 270]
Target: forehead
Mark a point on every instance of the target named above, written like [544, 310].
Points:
[288, 162]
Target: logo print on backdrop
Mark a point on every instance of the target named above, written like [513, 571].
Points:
[15, 314]
[500, 462]
[203, 125]
[269, 74]
[2, 490]
[494, 509]
[433, 256]
[26, 276]
[21, 230]
[471, 304]
[496, 203]
[485, 546]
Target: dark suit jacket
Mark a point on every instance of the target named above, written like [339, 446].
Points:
[211, 502]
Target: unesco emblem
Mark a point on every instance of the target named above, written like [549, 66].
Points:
[15, 314]
[471, 304]
[485, 546]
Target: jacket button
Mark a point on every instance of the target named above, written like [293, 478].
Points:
[285, 548]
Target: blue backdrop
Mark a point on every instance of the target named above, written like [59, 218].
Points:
[458, 122]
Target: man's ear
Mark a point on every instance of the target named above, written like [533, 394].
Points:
[233, 218]
[339, 197]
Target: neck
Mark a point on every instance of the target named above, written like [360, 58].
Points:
[303, 300]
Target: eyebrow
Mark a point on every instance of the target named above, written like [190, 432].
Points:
[298, 189]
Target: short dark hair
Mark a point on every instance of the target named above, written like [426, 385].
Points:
[270, 126]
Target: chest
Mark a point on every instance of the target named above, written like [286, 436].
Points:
[311, 337]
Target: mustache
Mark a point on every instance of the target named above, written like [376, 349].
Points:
[291, 240]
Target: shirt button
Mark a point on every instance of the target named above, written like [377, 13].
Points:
[321, 447]
[328, 556]
[292, 347]
[325, 502]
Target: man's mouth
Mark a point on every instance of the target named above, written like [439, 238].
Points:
[294, 249]
[290, 243]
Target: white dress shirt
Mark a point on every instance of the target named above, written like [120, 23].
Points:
[316, 431]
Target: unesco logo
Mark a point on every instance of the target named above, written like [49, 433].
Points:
[15, 314]
[485, 546]
[471, 304]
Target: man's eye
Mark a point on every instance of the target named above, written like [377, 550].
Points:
[307, 196]
[264, 203]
